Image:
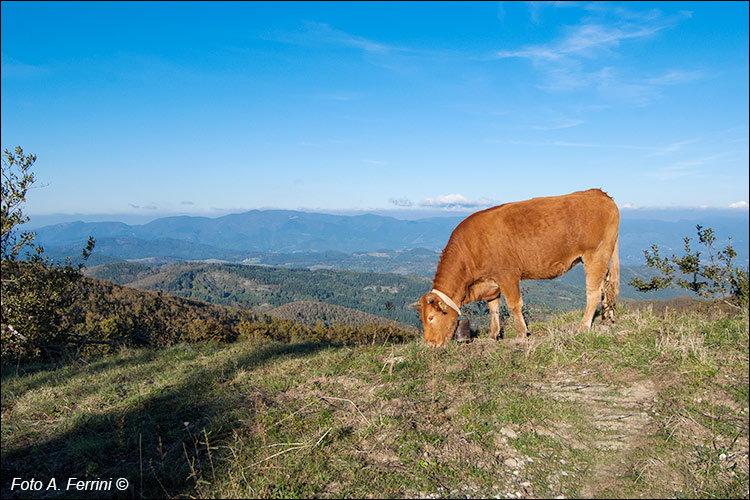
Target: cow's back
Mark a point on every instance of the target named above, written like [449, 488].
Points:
[538, 238]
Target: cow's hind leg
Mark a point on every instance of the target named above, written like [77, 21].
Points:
[513, 299]
[595, 265]
[494, 306]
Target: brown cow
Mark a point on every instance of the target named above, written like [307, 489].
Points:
[542, 238]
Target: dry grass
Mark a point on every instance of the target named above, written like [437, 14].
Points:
[655, 406]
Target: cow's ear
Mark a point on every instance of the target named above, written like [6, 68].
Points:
[416, 305]
[442, 307]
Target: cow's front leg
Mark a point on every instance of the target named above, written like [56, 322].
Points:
[512, 294]
[494, 306]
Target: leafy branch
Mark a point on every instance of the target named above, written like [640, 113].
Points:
[716, 277]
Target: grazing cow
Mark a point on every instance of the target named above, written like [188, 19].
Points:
[543, 238]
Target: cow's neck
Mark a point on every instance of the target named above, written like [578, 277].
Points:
[452, 276]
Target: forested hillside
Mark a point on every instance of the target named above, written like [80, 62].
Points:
[263, 288]
[106, 317]
[312, 313]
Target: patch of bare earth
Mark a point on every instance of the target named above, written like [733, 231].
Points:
[616, 418]
[618, 414]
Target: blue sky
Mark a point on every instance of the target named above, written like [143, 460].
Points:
[210, 108]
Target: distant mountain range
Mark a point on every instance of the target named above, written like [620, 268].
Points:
[261, 235]
[266, 231]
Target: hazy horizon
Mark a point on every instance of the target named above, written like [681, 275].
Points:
[657, 213]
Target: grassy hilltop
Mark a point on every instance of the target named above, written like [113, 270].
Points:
[656, 406]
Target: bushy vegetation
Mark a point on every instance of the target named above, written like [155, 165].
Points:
[36, 294]
[105, 317]
[310, 313]
[716, 277]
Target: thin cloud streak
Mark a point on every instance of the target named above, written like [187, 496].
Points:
[582, 57]
[559, 125]
[323, 33]
[676, 77]
[688, 168]
[568, 144]
[586, 40]
[674, 147]
[16, 69]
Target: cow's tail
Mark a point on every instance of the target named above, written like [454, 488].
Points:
[612, 285]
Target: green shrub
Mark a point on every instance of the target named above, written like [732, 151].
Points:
[716, 277]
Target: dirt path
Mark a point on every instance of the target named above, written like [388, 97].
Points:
[617, 415]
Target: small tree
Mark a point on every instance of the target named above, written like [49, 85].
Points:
[389, 307]
[36, 294]
[17, 179]
[717, 277]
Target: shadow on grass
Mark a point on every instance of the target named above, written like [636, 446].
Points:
[157, 446]
[38, 375]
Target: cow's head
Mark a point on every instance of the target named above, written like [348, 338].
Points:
[438, 319]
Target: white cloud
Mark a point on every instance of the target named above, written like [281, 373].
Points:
[455, 201]
[739, 204]
[401, 202]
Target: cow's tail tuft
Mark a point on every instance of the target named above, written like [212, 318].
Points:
[612, 285]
